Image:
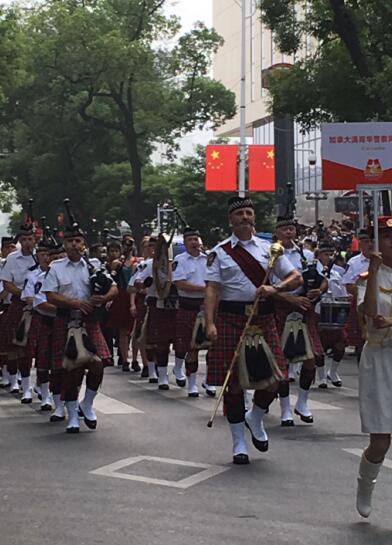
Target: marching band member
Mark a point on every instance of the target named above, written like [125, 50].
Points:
[13, 275]
[7, 246]
[235, 272]
[332, 340]
[67, 287]
[355, 267]
[301, 302]
[375, 369]
[188, 276]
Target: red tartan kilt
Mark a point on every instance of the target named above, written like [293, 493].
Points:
[141, 308]
[353, 329]
[185, 321]
[59, 339]
[120, 313]
[283, 309]
[229, 327]
[44, 346]
[34, 332]
[161, 327]
[10, 324]
[331, 338]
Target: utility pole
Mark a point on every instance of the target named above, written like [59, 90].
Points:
[242, 164]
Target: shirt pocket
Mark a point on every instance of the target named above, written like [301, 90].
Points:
[230, 271]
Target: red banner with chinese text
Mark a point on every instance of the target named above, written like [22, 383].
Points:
[261, 161]
[221, 168]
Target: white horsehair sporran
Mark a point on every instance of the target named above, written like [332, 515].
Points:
[296, 344]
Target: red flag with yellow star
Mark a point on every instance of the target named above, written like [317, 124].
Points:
[261, 160]
[221, 168]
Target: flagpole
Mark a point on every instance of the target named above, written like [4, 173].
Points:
[242, 163]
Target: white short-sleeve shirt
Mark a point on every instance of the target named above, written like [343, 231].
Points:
[355, 267]
[235, 285]
[16, 268]
[144, 271]
[192, 269]
[68, 278]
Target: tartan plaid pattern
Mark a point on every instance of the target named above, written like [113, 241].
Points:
[283, 309]
[43, 360]
[141, 308]
[185, 321]
[230, 327]
[161, 327]
[59, 338]
[3, 320]
[34, 332]
[353, 329]
[11, 323]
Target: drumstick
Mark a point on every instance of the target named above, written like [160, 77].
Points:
[275, 253]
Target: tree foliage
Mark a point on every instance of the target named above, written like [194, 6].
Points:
[346, 74]
[105, 82]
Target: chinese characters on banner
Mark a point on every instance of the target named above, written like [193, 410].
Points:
[356, 153]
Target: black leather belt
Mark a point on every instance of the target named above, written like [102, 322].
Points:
[244, 309]
[187, 303]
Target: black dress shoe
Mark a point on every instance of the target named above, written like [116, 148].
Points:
[55, 418]
[125, 368]
[337, 383]
[153, 380]
[14, 391]
[262, 446]
[163, 387]
[144, 373]
[91, 424]
[240, 459]
[306, 419]
[26, 400]
[181, 382]
[46, 407]
[193, 394]
[72, 430]
[287, 423]
[135, 366]
[211, 393]
[323, 386]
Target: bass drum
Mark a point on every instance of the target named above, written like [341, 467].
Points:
[161, 269]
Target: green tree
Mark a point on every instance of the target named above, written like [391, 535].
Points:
[107, 81]
[346, 75]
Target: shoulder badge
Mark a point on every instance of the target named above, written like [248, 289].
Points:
[37, 287]
[211, 258]
[174, 265]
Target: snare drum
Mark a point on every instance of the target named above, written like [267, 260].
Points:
[334, 312]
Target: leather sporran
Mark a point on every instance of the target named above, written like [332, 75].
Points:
[257, 368]
[22, 333]
[161, 269]
[79, 349]
[296, 343]
[199, 337]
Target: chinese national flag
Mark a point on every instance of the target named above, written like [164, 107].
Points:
[261, 161]
[221, 168]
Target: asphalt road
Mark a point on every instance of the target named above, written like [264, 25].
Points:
[153, 474]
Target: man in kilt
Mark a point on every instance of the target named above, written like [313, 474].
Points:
[45, 312]
[13, 275]
[67, 287]
[303, 303]
[235, 272]
[7, 246]
[355, 267]
[161, 324]
[189, 270]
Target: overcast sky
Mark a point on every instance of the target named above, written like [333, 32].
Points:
[191, 11]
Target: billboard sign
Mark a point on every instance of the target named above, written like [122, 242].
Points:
[356, 153]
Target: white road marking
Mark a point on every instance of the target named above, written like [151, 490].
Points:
[358, 452]
[208, 471]
[108, 405]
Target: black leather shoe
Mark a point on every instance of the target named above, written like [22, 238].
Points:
[72, 430]
[211, 393]
[240, 459]
[144, 373]
[262, 446]
[306, 419]
[323, 386]
[287, 423]
[14, 391]
[193, 394]
[91, 424]
[163, 387]
[153, 381]
[135, 366]
[26, 401]
[46, 407]
[181, 382]
[55, 418]
[337, 383]
[125, 368]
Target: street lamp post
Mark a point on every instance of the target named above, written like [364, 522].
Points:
[316, 196]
